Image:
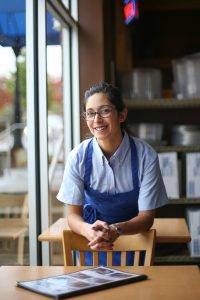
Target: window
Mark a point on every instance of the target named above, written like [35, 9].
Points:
[38, 89]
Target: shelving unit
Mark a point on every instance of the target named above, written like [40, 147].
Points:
[159, 36]
[170, 112]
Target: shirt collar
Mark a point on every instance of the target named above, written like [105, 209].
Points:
[123, 148]
[97, 152]
[119, 154]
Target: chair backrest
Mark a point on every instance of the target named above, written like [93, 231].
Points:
[14, 221]
[14, 207]
[141, 242]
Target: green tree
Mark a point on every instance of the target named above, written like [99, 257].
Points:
[11, 81]
[52, 87]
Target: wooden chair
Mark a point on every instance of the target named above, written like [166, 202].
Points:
[14, 221]
[137, 243]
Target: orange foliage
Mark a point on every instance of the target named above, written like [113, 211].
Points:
[56, 90]
[5, 96]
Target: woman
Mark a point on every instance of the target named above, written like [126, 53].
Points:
[112, 182]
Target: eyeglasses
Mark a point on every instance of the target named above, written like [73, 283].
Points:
[104, 112]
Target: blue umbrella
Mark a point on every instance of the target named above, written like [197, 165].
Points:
[13, 34]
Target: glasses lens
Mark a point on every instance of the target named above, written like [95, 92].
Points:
[89, 115]
[105, 112]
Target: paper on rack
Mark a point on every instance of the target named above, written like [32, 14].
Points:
[169, 169]
[193, 174]
[193, 218]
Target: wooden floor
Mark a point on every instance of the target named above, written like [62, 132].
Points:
[8, 254]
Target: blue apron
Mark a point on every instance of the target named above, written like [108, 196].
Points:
[111, 208]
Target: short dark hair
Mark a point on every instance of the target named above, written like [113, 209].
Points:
[112, 93]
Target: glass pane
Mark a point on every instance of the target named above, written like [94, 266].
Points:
[14, 234]
[65, 3]
[72, 6]
[55, 127]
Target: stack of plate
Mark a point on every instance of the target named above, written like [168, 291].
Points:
[150, 132]
[185, 135]
[186, 74]
[141, 84]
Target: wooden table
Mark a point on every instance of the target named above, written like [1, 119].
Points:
[168, 230]
[14, 181]
[12, 229]
[164, 282]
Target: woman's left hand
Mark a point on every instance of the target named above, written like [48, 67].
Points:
[105, 237]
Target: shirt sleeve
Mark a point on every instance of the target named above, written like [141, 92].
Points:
[152, 189]
[72, 187]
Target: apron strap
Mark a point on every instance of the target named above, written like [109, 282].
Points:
[88, 163]
[135, 165]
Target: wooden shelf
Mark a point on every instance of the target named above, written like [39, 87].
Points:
[177, 148]
[167, 103]
[184, 201]
[176, 259]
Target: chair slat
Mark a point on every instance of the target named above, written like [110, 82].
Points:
[109, 258]
[123, 258]
[136, 258]
[82, 258]
[148, 258]
[95, 258]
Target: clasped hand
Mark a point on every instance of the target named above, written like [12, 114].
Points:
[102, 236]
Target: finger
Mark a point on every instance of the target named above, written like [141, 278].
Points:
[102, 246]
[100, 236]
[106, 246]
[95, 247]
[95, 241]
[100, 225]
[105, 235]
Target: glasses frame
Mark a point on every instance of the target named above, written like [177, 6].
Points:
[99, 113]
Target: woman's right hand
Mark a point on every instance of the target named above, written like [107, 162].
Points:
[98, 235]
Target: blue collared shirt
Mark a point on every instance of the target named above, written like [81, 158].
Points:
[114, 175]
